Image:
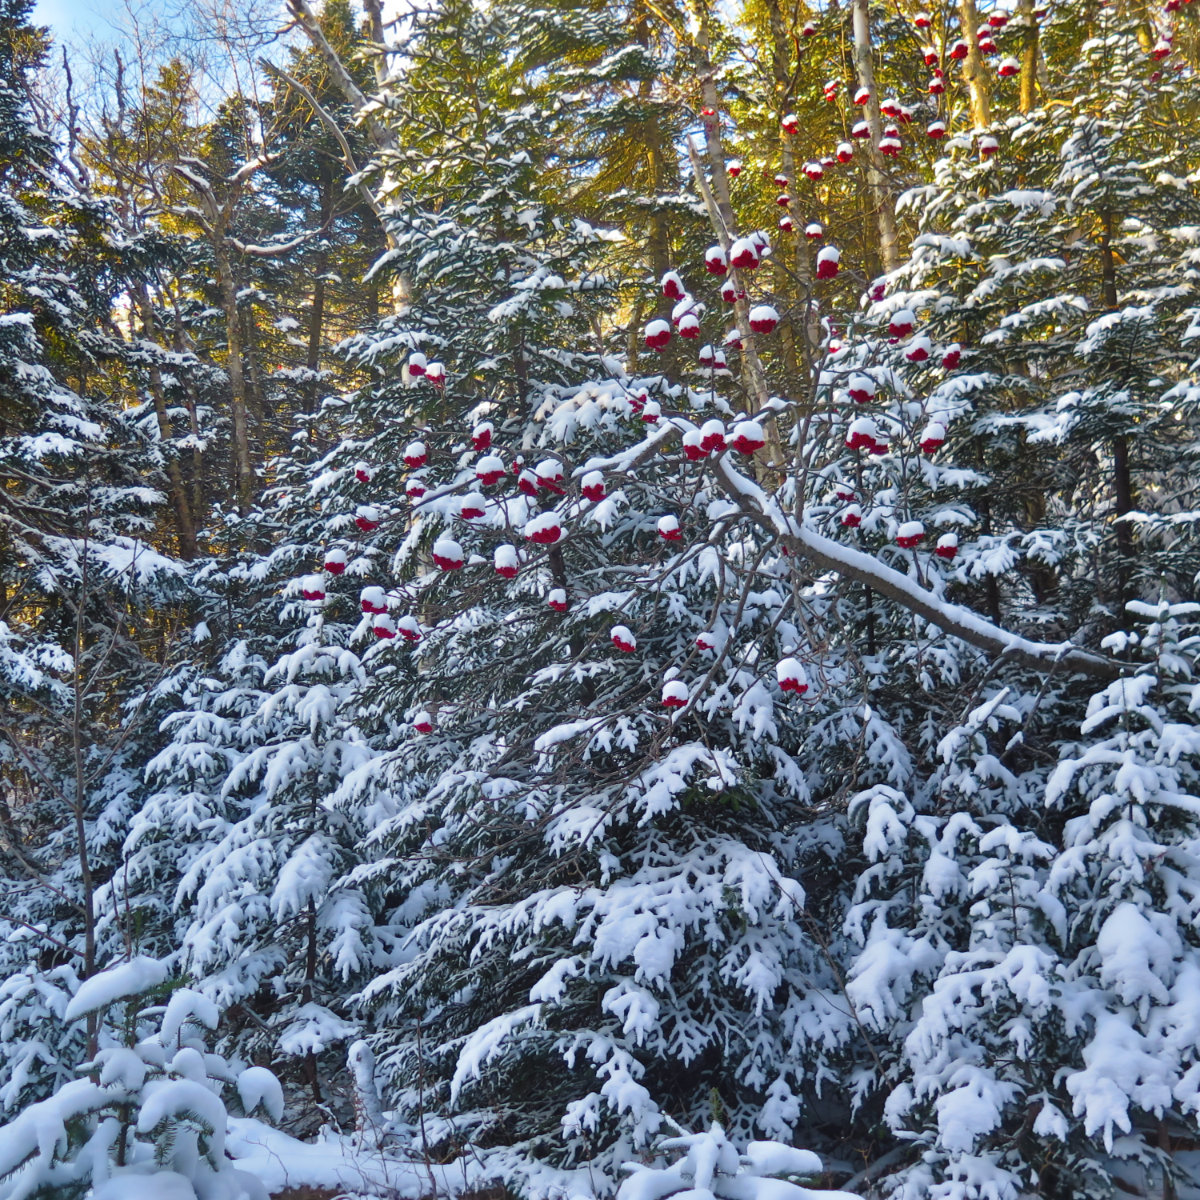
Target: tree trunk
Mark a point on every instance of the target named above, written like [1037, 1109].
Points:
[316, 321]
[79, 745]
[716, 195]
[633, 345]
[660, 236]
[521, 373]
[307, 993]
[1122, 473]
[256, 392]
[181, 344]
[974, 68]
[794, 287]
[661, 178]
[882, 201]
[991, 587]
[244, 479]
[312, 356]
[1029, 55]
[185, 525]
[374, 12]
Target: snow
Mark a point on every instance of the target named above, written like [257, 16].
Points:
[135, 561]
[338, 1163]
[186, 1005]
[488, 1041]
[449, 549]
[770, 1158]
[764, 315]
[622, 636]
[558, 734]
[1137, 960]
[41, 1128]
[312, 1029]
[175, 1098]
[123, 981]
[711, 1169]
[303, 876]
[257, 1086]
[544, 529]
[155, 1185]
[1120, 1071]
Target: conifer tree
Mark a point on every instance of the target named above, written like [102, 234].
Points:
[78, 573]
[149, 1117]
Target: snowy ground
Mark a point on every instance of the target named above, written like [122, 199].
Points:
[282, 1162]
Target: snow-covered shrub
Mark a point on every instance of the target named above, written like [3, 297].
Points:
[709, 1167]
[147, 1118]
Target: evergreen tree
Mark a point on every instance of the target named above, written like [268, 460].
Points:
[149, 1119]
[237, 855]
[79, 577]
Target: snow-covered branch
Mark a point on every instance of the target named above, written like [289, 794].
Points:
[863, 568]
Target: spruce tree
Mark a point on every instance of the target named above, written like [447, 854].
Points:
[79, 575]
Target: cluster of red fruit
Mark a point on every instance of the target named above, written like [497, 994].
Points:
[744, 254]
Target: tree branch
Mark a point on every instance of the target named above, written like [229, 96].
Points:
[328, 121]
[307, 20]
[828, 555]
[953, 619]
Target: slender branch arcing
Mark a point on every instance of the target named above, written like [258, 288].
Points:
[959, 622]
[826, 554]
[307, 20]
[326, 118]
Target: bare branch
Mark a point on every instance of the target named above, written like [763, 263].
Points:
[328, 121]
[277, 248]
[307, 20]
[250, 168]
[954, 619]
